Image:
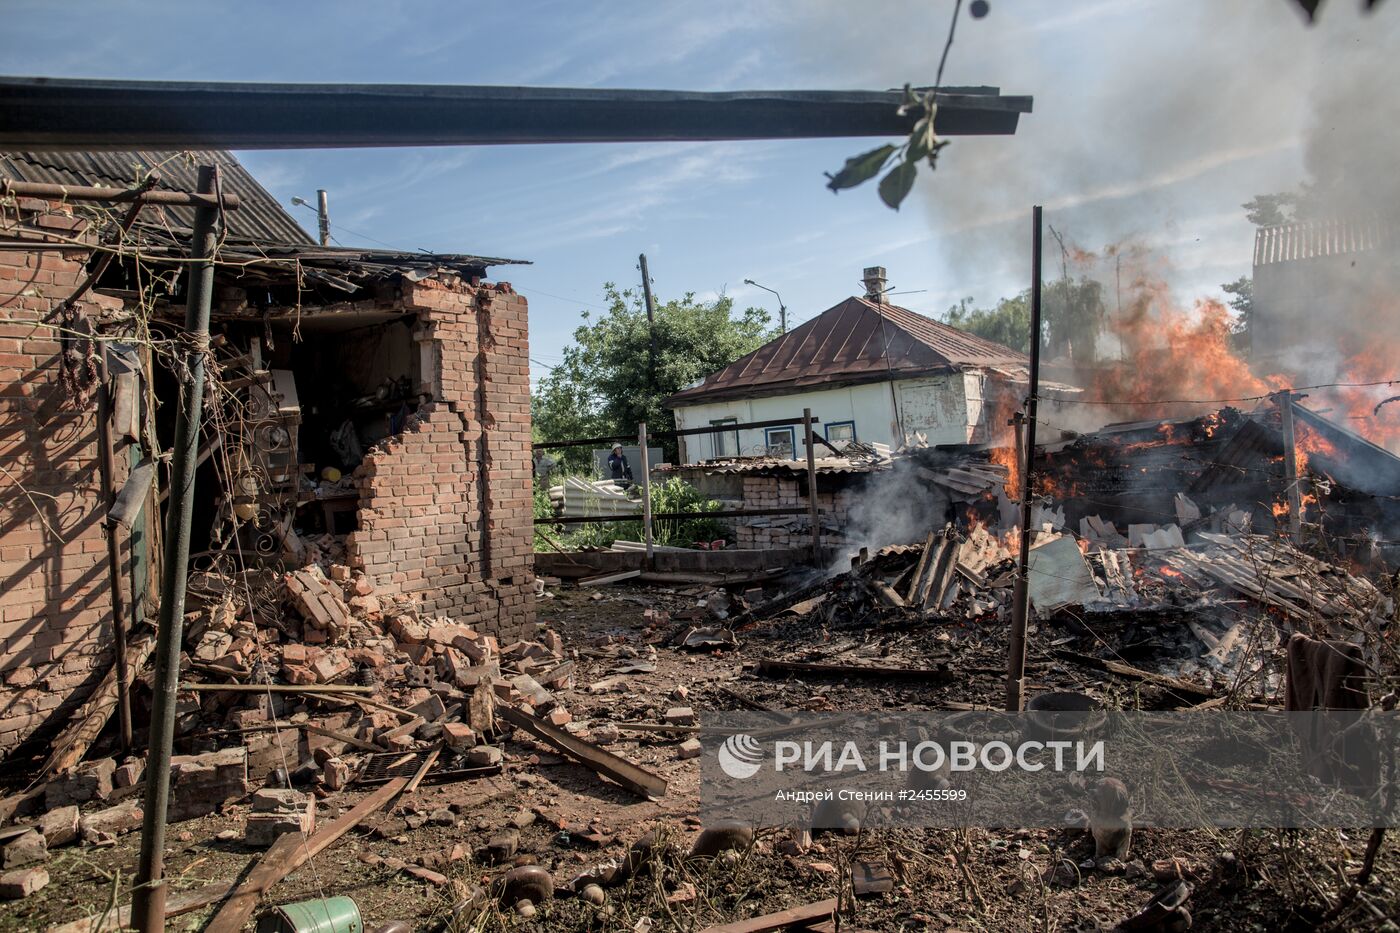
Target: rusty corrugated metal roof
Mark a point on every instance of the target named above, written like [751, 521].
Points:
[854, 341]
[1310, 239]
[258, 218]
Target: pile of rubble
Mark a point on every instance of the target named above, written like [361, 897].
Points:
[303, 685]
[1220, 603]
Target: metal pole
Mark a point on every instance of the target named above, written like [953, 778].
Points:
[107, 470]
[148, 902]
[323, 216]
[646, 490]
[141, 194]
[651, 326]
[1290, 467]
[812, 513]
[1020, 604]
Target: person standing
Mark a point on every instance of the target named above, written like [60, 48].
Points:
[618, 466]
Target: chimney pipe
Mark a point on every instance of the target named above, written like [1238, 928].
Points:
[875, 284]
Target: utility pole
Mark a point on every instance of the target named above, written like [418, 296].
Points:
[148, 900]
[813, 515]
[1290, 467]
[1020, 603]
[651, 323]
[782, 308]
[323, 216]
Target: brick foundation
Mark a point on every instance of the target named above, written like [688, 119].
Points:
[445, 507]
[55, 611]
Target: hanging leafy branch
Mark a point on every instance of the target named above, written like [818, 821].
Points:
[923, 144]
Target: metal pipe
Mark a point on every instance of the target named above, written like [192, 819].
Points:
[83, 114]
[677, 516]
[663, 435]
[812, 514]
[27, 189]
[1020, 603]
[106, 470]
[148, 901]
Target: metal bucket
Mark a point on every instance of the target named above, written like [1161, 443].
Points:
[328, 915]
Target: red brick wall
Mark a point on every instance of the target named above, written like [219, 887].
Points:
[446, 507]
[55, 612]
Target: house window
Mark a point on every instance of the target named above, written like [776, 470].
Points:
[781, 442]
[840, 432]
[726, 443]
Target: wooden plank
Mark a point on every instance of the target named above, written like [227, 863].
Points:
[88, 722]
[345, 737]
[792, 918]
[275, 688]
[610, 578]
[111, 921]
[289, 853]
[1174, 684]
[423, 770]
[852, 670]
[636, 779]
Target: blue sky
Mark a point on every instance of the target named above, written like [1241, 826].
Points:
[1154, 120]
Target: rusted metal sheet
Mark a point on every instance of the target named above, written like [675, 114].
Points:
[853, 342]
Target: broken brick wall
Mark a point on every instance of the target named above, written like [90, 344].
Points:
[445, 507]
[55, 609]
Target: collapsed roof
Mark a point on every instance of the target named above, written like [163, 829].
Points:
[265, 239]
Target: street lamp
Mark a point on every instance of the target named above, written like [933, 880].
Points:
[782, 308]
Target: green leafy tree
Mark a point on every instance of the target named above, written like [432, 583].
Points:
[607, 384]
[1072, 317]
[1009, 323]
[1241, 292]
[1268, 210]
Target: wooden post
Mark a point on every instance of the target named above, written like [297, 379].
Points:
[323, 217]
[646, 491]
[651, 323]
[812, 512]
[1018, 425]
[1290, 467]
[107, 469]
[1020, 601]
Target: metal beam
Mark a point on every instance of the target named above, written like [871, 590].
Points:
[52, 113]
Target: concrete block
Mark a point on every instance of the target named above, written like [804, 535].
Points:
[106, 825]
[22, 882]
[201, 784]
[23, 850]
[59, 827]
[91, 780]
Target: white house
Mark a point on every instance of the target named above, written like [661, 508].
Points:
[871, 371]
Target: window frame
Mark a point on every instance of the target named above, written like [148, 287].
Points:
[791, 433]
[718, 436]
[854, 438]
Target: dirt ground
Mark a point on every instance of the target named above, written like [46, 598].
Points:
[973, 880]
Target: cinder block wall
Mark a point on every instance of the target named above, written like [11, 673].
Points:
[446, 507]
[781, 531]
[55, 611]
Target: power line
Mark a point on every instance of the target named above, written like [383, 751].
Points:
[1222, 401]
